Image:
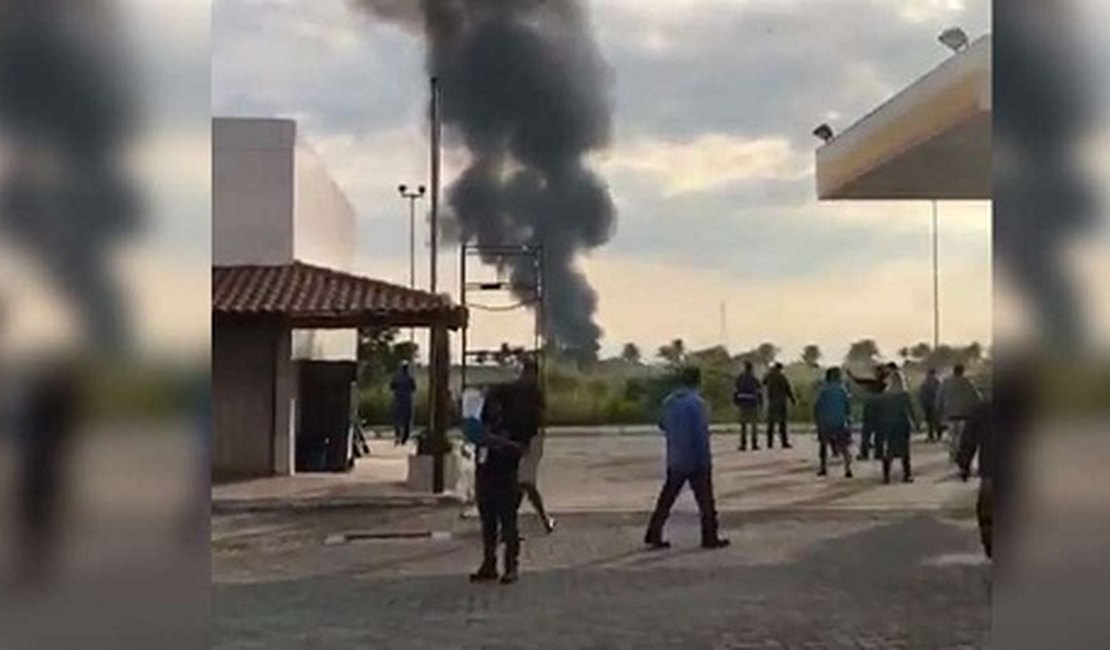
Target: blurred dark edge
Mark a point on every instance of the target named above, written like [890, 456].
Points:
[1053, 386]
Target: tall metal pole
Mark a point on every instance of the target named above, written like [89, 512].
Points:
[412, 257]
[936, 281]
[412, 242]
[412, 197]
[434, 218]
[439, 351]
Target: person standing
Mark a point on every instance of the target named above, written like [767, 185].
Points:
[403, 387]
[529, 403]
[927, 395]
[780, 395]
[832, 412]
[506, 419]
[748, 398]
[870, 431]
[978, 438]
[898, 421]
[685, 423]
[956, 401]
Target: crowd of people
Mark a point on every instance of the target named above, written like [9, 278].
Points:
[505, 426]
[889, 416]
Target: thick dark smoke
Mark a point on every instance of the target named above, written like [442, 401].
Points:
[1041, 200]
[525, 89]
[63, 118]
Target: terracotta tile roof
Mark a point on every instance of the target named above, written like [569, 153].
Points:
[313, 296]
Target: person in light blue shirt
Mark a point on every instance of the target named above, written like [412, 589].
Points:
[685, 423]
[832, 412]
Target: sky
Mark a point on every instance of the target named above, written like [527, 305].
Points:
[711, 167]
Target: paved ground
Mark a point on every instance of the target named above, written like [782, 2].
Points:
[831, 563]
[847, 582]
[621, 473]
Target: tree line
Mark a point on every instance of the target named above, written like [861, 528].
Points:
[628, 388]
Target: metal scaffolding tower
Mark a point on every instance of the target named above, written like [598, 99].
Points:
[528, 295]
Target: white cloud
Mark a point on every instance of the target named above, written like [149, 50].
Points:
[709, 161]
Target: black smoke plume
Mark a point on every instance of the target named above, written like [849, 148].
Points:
[1042, 202]
[526, 91]
[64, 116]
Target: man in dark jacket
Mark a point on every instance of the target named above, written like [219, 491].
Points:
[870, 433]
[780, 395]
[403, 387]
[748, 398]
[927, 395]
[978, 437]
[511, 418]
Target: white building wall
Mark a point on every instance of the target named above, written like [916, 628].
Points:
[252, 191]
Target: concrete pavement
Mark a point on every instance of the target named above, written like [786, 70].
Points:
[614, 473]
[889, 581]
[815, 563]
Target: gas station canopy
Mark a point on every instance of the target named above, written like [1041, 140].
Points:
[930, 141]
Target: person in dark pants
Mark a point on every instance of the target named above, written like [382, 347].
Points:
[510, 418]
[780, 395]
[832, 412]
[978, 437]
[927, 395]
[403, 387]
[898, 421]
[685, 422]
[748, 398]
[46, 421]
[870, 431]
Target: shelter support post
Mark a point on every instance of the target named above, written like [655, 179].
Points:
[440, 396]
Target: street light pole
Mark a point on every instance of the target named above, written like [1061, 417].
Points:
[412, 197]
[936, 281]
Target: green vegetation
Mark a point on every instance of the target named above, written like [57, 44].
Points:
[627, 389]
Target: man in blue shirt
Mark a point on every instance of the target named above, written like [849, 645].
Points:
[685, 421]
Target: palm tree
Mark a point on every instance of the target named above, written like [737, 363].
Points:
[811, 355]
[631, 354]
[766, 353]
[674, 352]
[864, 351]
[921, 351]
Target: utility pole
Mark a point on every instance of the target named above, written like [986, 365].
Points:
[724, 325]
[936, 280]
[439, 349]
[412, 197]
[435, 153]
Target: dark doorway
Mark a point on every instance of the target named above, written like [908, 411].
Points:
[324, 420]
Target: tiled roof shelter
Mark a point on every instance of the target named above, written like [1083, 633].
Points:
[313, 297]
